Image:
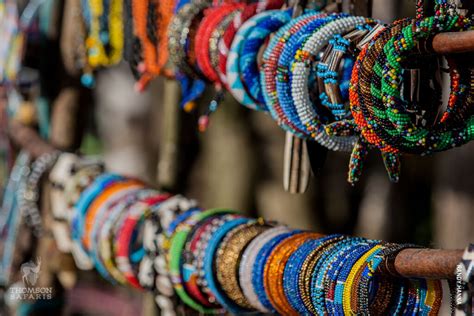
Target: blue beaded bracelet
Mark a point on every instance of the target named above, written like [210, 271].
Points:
[255, 39]
[291, 274]
[284, 72]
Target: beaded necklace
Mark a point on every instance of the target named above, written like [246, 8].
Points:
[151, 19]
[105, 40]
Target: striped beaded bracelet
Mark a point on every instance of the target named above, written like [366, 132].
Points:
[269, 68]
[264, 23]
[226, 41]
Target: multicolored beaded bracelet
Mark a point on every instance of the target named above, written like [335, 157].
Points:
[307, 269]
[242, 58]
[228, 259]
[247, 263]
[179, 35]
[359, 113]
[319, 270]
[299, 91]
[178, 242]
[248, 53]
[213, 17]
[270, 64]
[130, 228]
[94, 251]
[284, 72]
[201, 252]
[417, 139]
[258, 271]
[294, 267]
[160, 224]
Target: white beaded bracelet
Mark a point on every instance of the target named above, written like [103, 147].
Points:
[299, 84]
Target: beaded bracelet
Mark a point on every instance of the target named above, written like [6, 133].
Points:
[299, 91]
[334, 94]
[273, 274]
[101, 219]
[177, 244]
[247, 263]
[258, 271]
[346, 275]
[284, 69]
[178, 35]
[200, 253]
[270, 64]
[189, 268]
[160, 225]
[28, 205]
[319, 270]
[100, 204]
[150, 20]
[213, 17]
[369, 137]
[294, 268]
[337, 272]
[226, 41]
[123, 241]
[228, 259]
[105, 40]
[418, 139]
[261, 25]
[105, 237]
[211, 285]
[9, 226]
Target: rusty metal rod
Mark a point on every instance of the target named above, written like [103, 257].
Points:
[453, 42]
[428, 263]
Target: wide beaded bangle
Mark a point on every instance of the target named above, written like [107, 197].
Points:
[415, 138]
[299, 84]
[247, 263]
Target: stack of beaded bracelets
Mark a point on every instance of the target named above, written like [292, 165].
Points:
[217, 260]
